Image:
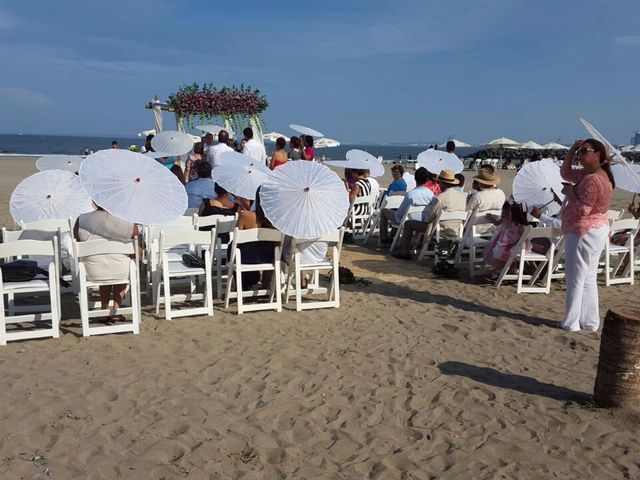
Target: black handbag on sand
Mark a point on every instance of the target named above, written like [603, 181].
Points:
[192, 260]
[21, 271]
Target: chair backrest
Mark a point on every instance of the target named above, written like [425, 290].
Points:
[257, 235]
[46, 225]
[21, 248]
[189, 212]
[13, 235]
[454, 215]
[195, 237]
[412, 210]
[153, 231]
[211, 220]
[365, 200]
[626, 224]
[226, 224]
[614, 214]
[480, 218]
[103, 246]
[392, 201]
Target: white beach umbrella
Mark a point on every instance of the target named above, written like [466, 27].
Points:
[436, 160]
[616, 155]
[410, 180]
[215, 129]
[531, 145]
[360, 160]
[172, 142]
[49, 195]
[623, 179]
[503, 142]
[70, 163]
[326, 143]
[133, 187]
[536, 182]
[457, 143]
[305, 130]
[240, 180]
[237, 158]
[554, 146]
[273, 136]
[144, 133]
[304, 200]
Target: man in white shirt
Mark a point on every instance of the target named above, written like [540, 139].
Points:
[254, 148]
[485, 196]
[219, 148]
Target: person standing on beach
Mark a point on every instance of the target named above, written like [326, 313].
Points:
[586, 228]
[451, 146]
[308, 152]
[254, 148]
[115, 145]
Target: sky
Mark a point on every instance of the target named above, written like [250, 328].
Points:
[358, 71]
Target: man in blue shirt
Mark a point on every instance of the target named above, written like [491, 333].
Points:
[202, 187]
[420, 195]
[398, 184]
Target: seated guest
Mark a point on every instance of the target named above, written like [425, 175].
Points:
[460, 186]
[349, 179]
[432, 184]
[449, 200]
[361, 188]
[485, 196]
[100, 224]
[279, 157]
[222, 204]
[191, 165]
[295, 152]
[421, 195]
[200, 188]
[177, 171]
[219, 148]
[398, 184]
[375, 186]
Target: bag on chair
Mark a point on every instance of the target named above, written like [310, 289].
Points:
[21, 271]
[192, 260]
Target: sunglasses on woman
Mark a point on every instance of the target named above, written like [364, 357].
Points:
[582, 150]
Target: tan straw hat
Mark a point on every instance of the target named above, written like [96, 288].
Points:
[447, 176]
[486, 177]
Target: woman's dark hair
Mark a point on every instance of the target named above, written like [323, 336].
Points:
[198, 147]
[262, 220]
[398, 168]
[308, 140]
[219, 190]
[460, 177]
[177, 171]
[599, 147]
[359, 172]
[294, 142]
[517, 210]
[280, 143]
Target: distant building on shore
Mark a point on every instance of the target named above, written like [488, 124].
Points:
[635, 140]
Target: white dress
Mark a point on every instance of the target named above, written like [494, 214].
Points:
[100, 224]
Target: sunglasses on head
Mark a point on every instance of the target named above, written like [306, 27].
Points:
[582, 150]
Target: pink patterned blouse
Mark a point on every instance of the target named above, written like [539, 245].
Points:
[593, 197]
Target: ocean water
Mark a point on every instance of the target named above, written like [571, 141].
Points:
[75, 145]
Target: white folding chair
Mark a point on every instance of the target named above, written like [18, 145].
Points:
[360, 210]
[190, 212]
[295, 269]
[614, 214]
[460, 216]
[48, 225]
[473, 243]
[32, 289]
[235, 266]
[87, 309]
[415, 211]
[197, 243]
[519, 253]
[392, 202]
[224, 224]
[622, 253]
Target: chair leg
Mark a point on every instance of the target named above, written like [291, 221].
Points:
[239, 289]
[276, 280]
[54, 296]
[167, 292]
[208, 289]
[84, 307]
[287, 288]
[135, 300]
[230, 267]
[3, 322]
[298, 273]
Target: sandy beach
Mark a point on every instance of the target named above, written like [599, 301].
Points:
[414, 377]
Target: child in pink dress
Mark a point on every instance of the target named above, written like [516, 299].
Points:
[510, 228]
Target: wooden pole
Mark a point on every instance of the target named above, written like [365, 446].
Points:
[618, 379]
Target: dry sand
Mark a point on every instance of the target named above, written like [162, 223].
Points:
[413, 377]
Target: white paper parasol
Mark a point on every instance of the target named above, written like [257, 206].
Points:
[410, 180]
[49, 195]
[326, 143]
[273, 136]
[240, 180]
[172, 142]
[617, 157]
[133, 187]
[623, 179]
[360, 160]
[215, 129]
[436, 160]
[236, 158]
[304, 200]
[70, 163]
[536, 182]
[305, 130]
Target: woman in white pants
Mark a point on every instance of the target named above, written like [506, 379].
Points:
[586, 229]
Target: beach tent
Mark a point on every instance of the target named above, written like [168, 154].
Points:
[531, 145]
[554, 146]
[458, 144]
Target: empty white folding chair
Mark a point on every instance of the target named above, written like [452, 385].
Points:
[35, 288]
[130, 305]
[614, 214]
[541, 261]
[621, 258]
[413, 212]
[196, 243]
[296, 268]
[473, 243]
[224, 226]
[460, 216]
[392, 202]
[236, 268]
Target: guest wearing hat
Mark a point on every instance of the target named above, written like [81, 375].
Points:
[486, 194]
[449, 200]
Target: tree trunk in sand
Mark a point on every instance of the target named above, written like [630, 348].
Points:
[618, 379]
